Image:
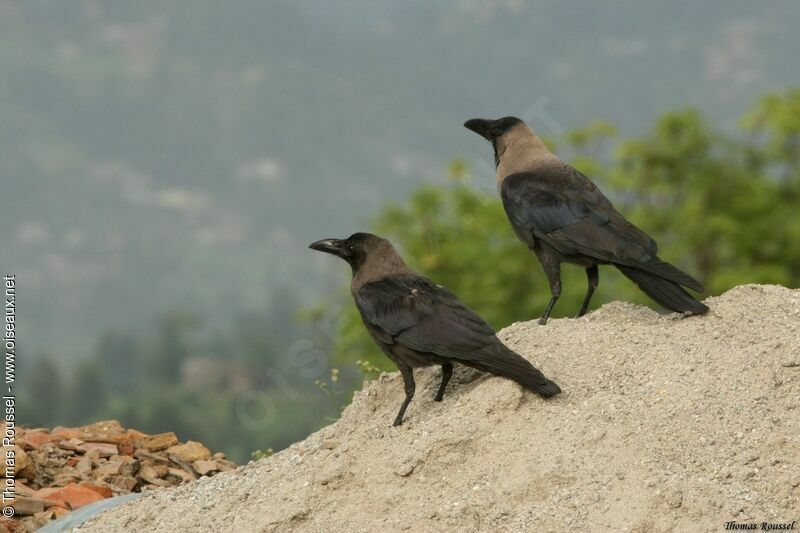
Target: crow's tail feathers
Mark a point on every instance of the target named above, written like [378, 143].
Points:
[664, 291]
[535, 381]
[508, 364]
[672, 273]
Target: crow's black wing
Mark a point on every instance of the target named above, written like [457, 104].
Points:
[563, 208]
[417, 313]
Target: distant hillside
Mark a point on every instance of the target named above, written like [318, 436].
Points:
[180, 155]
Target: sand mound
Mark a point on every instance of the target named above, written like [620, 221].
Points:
[665, 423]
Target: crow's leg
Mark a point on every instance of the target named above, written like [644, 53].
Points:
[552, 268]
[408, 382]
[447, 371]
[594, 278]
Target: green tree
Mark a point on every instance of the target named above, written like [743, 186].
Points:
[87, 394]
[723, 204]
[774, 129]
[118, 355]
[44, 392]
[174, 343]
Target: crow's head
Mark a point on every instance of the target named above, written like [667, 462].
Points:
[500, 132]
[355, 249]
[491, 130]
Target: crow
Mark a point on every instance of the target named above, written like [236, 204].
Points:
[563, 217]
[418, 323]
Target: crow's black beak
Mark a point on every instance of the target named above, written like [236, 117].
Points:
[330, 246]
[481, 126]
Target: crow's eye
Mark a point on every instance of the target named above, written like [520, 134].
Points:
[351, 248]
[496, 132]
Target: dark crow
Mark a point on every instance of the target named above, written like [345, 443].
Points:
[419, 323]
[563, 217]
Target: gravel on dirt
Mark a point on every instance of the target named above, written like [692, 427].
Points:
[666, 423]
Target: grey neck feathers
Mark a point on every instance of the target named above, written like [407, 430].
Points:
[521, 150]
[381, 262]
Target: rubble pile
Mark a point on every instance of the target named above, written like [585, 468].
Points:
[63, 469]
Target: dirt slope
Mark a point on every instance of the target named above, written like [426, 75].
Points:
[666, 423]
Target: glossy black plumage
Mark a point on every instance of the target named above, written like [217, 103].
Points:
[419, 323]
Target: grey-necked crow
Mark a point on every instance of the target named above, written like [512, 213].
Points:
[419, 323]
[563, 217]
